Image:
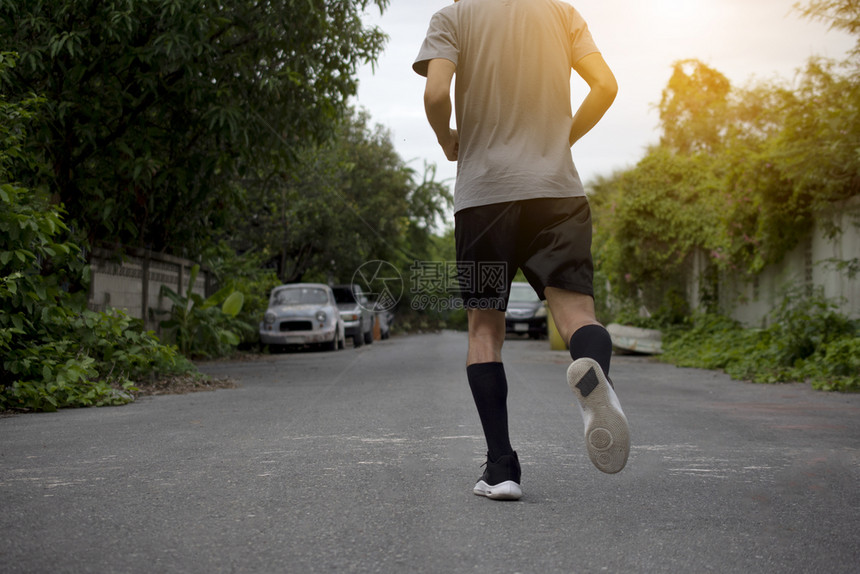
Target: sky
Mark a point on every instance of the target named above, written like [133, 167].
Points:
[745, 40]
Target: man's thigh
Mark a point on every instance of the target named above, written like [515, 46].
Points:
[554, 244]
[486, 241]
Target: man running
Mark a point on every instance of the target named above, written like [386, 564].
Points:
[519, 202]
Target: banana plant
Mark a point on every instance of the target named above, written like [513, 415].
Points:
[203, 327]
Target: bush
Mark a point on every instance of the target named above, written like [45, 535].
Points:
[807, 341]
[55, 353]
[96, 364]
[247, 275]
[204, 327]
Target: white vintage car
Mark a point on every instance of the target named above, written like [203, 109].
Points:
[302, 314]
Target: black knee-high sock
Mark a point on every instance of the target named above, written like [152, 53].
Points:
[490, 391]
[594, 342]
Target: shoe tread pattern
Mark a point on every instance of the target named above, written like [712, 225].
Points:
[607, 435]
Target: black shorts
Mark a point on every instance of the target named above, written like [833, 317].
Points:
[548, 238]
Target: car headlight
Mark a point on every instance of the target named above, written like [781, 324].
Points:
[350, 317]
[321, 316]
[541, 312]
[269, 317]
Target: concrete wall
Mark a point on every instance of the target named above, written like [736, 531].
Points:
[132, 282]
[809, 265]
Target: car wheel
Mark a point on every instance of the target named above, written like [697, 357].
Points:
[333, 345]
[368, 337]
[357, 341]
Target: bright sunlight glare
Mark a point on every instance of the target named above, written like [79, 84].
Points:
[677, 11]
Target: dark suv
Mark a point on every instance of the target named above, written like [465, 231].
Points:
[355, 310]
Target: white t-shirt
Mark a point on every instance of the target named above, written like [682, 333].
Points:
[512, 95]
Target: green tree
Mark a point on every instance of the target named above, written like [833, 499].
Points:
[693, 107]
[838, 14]
[740, 174]
[650, 219]
[344, 202]
[54, 352]
[154, 108]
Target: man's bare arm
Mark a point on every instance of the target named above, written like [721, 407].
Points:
[596, 73]
[437, 105]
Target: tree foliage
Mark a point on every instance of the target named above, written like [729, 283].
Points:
[54, 352]
[154, 108]
[740, 174]
[693, 108]
[342, 203]
[838, 14]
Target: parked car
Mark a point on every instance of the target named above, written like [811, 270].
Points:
[356, 313]
[526, 313]
[303, 314]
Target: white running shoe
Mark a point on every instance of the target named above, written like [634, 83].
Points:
[607, 435]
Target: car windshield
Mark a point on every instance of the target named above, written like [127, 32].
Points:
[301, 296]
[343, 295]
[523, 293]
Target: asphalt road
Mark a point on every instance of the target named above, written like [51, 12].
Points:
[363, 460]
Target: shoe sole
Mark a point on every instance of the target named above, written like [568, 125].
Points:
[607, 435]
[508, 490]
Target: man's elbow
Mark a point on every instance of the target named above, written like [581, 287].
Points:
[599, 77]
[607, 87]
